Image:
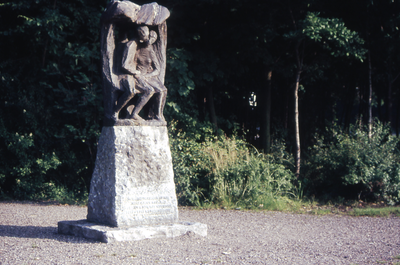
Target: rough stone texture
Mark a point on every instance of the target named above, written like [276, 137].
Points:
[133, 180]
[108, 234]
[150, 14]
[132, 193]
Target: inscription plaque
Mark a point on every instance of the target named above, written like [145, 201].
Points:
[157, 206]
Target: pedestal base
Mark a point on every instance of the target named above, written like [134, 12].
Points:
[132, 192]
[106, 234]
[133, 179]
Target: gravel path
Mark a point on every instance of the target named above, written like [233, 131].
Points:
[28, 235]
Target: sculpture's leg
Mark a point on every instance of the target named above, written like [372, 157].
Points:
[109, 105]
[143, 100]
[161, 98]
[124, 99]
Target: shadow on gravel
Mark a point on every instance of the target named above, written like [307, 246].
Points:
[40, 232]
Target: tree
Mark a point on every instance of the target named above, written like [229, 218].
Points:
[331, 35]
[51, 98]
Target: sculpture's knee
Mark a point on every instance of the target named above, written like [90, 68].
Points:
[149, 91]
[129, 89]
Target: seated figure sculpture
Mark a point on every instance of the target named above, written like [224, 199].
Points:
[133, 56]
[141, 66]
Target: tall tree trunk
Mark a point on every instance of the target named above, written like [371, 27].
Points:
[360, 95]
[266, 123]
[296, 121]
[390, 103]
[389, 109]
[44, 52]
[397, 120]
[286, 110]
[210, 99]
[379, 108]
[299, 60]
[349, 105]
[369, 96]
[47, 42]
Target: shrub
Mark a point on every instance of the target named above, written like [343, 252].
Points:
[188, 164]
[352, 165]
[244, 176]
[225, 170]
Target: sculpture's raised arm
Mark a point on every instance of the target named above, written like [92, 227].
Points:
[128, 58]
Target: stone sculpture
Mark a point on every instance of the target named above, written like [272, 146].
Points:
[140, 61]
[132, 191]
[134, 58]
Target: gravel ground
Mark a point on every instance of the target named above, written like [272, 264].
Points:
[28, 235]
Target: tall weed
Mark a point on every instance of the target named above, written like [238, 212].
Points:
[227, 171]
[243, 176]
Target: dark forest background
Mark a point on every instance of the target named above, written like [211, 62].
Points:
[312, 86]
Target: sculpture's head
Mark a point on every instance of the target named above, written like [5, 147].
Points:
[143, 32]
[153, 37]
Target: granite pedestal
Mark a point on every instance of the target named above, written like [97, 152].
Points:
[132, 192]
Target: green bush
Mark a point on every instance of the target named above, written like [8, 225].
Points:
[51, 104]
[225, 171]
[243, 176]
[355, 166]
[188, 163]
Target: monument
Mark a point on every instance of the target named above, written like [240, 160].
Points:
[132, 192]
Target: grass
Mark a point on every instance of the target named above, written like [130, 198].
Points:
[321, 211]
[267, 202]
[285, 204]
[375, 212]
[271, 202]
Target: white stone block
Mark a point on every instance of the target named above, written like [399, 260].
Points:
[133, 179]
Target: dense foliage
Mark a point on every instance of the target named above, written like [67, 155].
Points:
[234, 68]
[222, 170]
[51, 97]
[354, 165]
